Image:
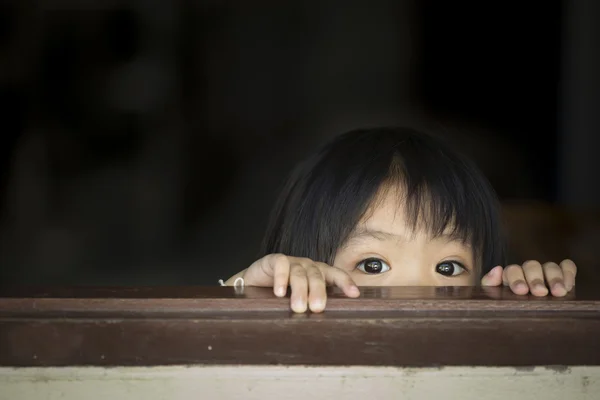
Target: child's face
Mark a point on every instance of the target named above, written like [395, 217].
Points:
[384, 251]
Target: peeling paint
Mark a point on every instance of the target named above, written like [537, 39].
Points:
[563, 369]
[585, 381]
[527, 368]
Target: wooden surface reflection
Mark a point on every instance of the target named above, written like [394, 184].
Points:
[211, 292]
[73, 300]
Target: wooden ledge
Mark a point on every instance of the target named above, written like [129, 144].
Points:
[391, 326]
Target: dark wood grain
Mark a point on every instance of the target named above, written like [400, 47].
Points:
[397, 326]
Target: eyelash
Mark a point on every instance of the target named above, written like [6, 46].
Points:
[385, 267]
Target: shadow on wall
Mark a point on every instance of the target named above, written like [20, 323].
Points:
[546, 232]
[148, 158]
[147, 144]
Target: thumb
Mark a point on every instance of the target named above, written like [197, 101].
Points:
[493, 278]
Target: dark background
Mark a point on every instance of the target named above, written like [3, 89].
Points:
[144, 142]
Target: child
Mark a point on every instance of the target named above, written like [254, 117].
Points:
[390, 207]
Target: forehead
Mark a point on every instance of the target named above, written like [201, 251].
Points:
[387, 208]
[389, 212]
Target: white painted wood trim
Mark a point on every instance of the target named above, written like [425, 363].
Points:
[298, 382]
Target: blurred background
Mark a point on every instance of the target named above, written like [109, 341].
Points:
[144, 141]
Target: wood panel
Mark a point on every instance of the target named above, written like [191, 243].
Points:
[386, 326]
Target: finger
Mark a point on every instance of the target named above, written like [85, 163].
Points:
[569, 270]
[534, 275]
[317, 296]
[555, 279]
[340, 278]
[513, 277]
[299, 284]
[492, 278]
[280, 265]
[262, 272]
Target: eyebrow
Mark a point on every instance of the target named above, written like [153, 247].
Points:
[375, 234]
[363, 233]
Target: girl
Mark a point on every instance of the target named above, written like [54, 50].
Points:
[390, 207]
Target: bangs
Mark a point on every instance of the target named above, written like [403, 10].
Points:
[423, 212]
[440, 191]
[440, 194]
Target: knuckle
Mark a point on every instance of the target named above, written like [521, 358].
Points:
[531, 264]
[322, 265]
[537, 281]
[314, 272]
[513, 268]
[553, 281]
[550, 266]
[278, 258]
[304, 260]
[299, 288]
[297, 270]
[569, 265]
[276, 264]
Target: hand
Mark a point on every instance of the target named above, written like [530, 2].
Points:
[534, 277]
[308, 280]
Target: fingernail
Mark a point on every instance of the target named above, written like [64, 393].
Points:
[280, 291]
[539, 287]
[299, 306]
[559, 286]
[317, 305]
[521, 285]
[353, 290]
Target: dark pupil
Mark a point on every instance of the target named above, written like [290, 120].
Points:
[373, 266]
[445, 268]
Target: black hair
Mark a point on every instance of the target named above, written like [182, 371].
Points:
[327, 195]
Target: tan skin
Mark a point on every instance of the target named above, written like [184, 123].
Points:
[383, 251]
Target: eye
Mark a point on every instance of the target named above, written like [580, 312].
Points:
[450, 268]
[373, 266]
